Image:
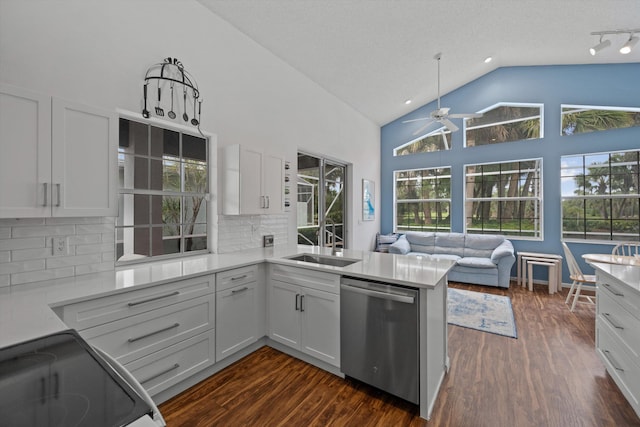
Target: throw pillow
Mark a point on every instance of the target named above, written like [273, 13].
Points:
[383, 241]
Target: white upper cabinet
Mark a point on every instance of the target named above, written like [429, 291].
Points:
[252, 182]
[58, 158]
[25, 153]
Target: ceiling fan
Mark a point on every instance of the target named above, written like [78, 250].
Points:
[441, 115]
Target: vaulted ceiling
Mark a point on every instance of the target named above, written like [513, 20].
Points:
[376, 54]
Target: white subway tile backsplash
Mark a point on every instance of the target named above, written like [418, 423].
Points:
[47, 230]
[5, 232]
[38, 276]
[10, 222]
[94, 228]
[31, 243]
[237, 233]
[20, 266]
[4, 280]
[26, 253]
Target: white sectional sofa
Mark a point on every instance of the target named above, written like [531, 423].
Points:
[482, 259]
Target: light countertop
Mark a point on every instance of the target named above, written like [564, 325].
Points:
[627, 274]
[26, 310]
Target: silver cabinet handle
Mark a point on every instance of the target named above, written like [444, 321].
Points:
[46, 188]
[608, 286]
[262, 202]
[58, 202]
[268, 202]
[144, 301]
[297, 308]
[607, 354]
[146, 380]
[610, 319]
[175, 325]
[237, 291]
[301, 303]
[239, 277]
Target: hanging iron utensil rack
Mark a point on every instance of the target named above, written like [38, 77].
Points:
[171, 70]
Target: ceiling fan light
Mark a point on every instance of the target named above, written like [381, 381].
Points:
[597, 48]
[629, 45]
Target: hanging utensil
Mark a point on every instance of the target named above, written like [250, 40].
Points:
[171, 114]
[194, 121]
[145, 112]
[199, 109]
[159, 111]
[185, 117]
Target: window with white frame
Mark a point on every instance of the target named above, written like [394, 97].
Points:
[423, 199]
[588, 118]
[163, 192]
[601, 196]
[504, 198]
[437, 140]
[504, 122]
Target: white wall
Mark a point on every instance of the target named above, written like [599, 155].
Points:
[96, 52]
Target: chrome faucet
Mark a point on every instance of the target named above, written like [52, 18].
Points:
[333, 233]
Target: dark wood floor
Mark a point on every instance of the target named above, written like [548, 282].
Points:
[549, 376]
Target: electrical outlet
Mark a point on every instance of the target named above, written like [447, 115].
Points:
[59, 246]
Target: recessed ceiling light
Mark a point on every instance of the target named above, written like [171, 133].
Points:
[407, 102]
[487, 59]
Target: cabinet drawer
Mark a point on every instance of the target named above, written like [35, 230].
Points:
[133, 337]
[621, 322]
[169, 366]
[237, 276]
[622, 294]
[95, 312]
[620, 365]
[308, 278]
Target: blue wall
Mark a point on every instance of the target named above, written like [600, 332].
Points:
[603, 85]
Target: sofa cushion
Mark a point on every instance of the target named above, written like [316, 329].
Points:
[481, 245]
[383, 241]
[400, 246]
[421, 241]
[476, 262]
[452, 257]
[449, 243]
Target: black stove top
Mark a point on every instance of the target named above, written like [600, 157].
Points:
[60, 381]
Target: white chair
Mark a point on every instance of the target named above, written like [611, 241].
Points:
[626, 249]
[578, 278]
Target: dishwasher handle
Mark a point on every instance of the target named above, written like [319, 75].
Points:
[378, 294]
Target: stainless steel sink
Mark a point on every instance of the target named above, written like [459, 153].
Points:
[323, 260]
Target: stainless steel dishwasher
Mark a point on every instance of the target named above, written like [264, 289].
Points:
[379, 336]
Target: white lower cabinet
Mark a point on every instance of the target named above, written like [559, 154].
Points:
[617, 340]
[239, 305]
[163, 334]
[303, 317]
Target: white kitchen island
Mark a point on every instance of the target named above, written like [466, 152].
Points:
[34, 310]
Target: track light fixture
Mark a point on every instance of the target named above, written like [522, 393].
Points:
[602, 44]
[629, 45]
[597, 48]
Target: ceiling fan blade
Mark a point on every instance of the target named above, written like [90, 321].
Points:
[417, 120]
[465, 116]
[423, 127]
[449, 124]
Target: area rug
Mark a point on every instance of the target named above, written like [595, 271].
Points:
[484, 312]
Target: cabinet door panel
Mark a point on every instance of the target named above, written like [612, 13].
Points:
[84, 153]
[250, 179]
[236, 319]
[321, 325]
[25, 153]
[284, 319]
[273, 183]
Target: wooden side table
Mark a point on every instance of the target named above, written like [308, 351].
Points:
[522, 267]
